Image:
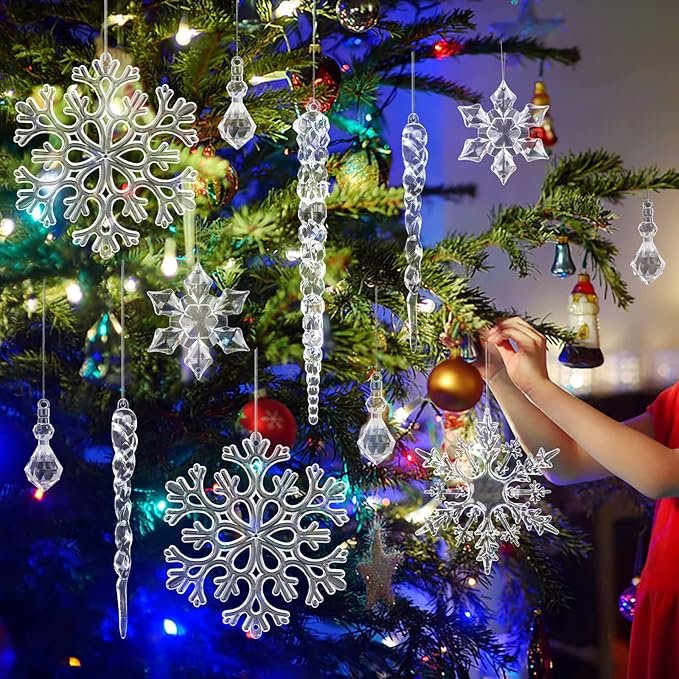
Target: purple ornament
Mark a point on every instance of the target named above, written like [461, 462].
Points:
[628, 600]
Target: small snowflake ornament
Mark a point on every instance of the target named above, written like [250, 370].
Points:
[503, 132]
[106, 152]
[260, 531]
[513, 505]
[198, 321]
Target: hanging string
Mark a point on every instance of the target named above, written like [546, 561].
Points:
[412, 81]
[314, 46]
[485, 383]
[237, 3]
[502, 60]
[42, 346]
[256, 388]
[105, 28]
[122, 328]
[377, 362]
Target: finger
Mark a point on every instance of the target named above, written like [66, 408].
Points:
[523, 325]
[522, 339]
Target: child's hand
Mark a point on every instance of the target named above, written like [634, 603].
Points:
[523, 351]
[489, 362]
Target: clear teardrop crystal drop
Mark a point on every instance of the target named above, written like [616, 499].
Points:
[43, 469]
[647, 263]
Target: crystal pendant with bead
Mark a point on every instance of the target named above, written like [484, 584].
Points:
[237, 126]
[647, 263]
[375, 441]
[43, 469]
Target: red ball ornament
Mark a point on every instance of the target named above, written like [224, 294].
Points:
[328, 79]
[275, 421]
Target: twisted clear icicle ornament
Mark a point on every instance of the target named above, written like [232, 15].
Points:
[312, 129]
[415, 155]
[647, 263]
[237, 126]
[43, 469]
[124, 439]
[375, 440]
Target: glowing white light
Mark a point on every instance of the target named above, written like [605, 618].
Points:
[6, 227]
[170, 627]
[185, 33]
[169, 266]
[73, 293]
[131, 284]
[287, 8]
[32, 304]
[426, 306]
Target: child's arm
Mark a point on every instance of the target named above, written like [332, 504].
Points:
[533, 428]
[628, 452]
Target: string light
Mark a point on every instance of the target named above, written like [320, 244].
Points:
[74, 294]
[32, 304]
[169, 265]
[184, 33]
[471, 582]
[287, 8]
[6, 227]
[38, 494]
[131, 284]
[170, 627]
[74, 662]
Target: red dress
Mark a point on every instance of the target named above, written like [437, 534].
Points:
[654, 647]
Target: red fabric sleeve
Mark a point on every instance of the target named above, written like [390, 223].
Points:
[665, 413]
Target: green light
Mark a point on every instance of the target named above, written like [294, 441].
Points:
[160, 505]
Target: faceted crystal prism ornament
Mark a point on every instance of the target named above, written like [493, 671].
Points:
[198, 321]
[647, 263]
[375, 440]
[237, 126]
[43, 469]
[503, 132]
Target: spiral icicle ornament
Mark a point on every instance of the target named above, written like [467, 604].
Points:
[124, 439]
[415, 155]
[312, 129]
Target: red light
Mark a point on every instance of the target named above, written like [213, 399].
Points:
[345, 67]
[250, 635]
[409, 457]
[446, 48]
[38, 494]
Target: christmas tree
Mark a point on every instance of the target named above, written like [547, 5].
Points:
[57, 608]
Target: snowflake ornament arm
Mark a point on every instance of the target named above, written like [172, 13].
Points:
[105, 155]
[263, 533]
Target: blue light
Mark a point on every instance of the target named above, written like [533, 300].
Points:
[170, 627]
[160, 506]
[368, 117]
[467, 614]
[36, 212]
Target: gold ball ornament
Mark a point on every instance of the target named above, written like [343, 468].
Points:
[363, 168]
[217, 180]
[454, 385]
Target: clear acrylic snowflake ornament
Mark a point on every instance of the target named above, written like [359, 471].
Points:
[237, 126]
[199, 321]
[647, 263]
[503, 132]
[260, 532]
[512, 503]
[375, 441]
[107, 153]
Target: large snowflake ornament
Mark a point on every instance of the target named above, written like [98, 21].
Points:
[514, 504]
[198, 321]
[261, 533]
[106, 152]
[503, 132]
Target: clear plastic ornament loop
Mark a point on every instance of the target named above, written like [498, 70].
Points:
[109, 147]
